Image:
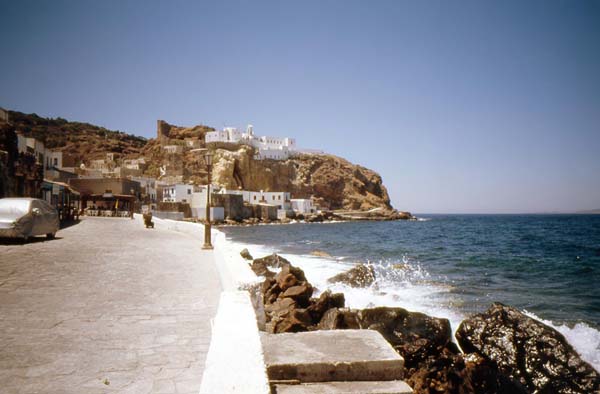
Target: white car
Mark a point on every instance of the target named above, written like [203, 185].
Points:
[26, 218]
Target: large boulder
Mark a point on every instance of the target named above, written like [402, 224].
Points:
[530, 352]
[339, 319]
[272, 261]
[327, 300]
[451, 373]
[414, 335]
[261, 266]
[360, 276]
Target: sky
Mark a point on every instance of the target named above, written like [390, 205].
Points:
[462, 107]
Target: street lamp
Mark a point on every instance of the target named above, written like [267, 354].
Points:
[208, 161]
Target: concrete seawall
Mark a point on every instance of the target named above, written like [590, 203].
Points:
[235, 362]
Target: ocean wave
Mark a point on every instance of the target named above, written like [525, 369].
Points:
[406, 284]
[584, 339]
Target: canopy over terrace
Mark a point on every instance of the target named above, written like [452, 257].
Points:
[117, 203]
[62, 197]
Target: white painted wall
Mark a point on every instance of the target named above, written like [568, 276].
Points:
[178, 193]
[302, 205]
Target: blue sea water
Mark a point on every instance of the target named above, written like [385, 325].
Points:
[547, 265]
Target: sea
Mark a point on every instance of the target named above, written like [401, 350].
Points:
[453, 266]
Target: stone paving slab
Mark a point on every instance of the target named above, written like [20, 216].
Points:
[107, 307]
[391, 387]
[336, 355]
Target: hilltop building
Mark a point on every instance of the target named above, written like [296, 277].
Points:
[274, 148]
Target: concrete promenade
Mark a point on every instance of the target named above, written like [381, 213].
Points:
[107, 307]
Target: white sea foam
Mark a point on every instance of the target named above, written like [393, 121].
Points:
[409, 286]
[585, 339]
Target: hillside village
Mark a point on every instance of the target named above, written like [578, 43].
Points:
[81, 168]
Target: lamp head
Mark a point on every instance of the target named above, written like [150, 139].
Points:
[208, 158]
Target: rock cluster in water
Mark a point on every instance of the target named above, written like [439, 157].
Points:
[505, 351]
[527, 351]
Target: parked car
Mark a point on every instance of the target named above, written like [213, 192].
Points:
[27, 217]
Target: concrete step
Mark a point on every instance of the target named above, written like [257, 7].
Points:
[336, 355]
[390, 387]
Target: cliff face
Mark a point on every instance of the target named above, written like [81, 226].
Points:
[332, 181]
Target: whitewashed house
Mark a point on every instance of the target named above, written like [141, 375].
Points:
[178, 193]
[198, 206]
[302, 205]
[148, 187]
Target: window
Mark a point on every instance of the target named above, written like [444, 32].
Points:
[55, 161]
[189, 191]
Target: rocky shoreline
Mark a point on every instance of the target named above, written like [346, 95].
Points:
[498, 351]
[327, 217]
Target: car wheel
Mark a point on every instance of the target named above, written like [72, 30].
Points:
[50, 235]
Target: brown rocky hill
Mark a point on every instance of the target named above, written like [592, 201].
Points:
[83, 141]
[333, 182]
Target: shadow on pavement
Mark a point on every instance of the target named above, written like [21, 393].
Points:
[32, 240]
[69, 223]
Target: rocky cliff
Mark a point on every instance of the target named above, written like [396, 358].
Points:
[333, 182]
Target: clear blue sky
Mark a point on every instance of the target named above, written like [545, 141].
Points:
[469, 106]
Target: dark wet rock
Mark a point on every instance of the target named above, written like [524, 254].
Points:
[246, 254]
[285, 298]
[339, 319]
[280, 307]
[360, 276]
[260, 268]
[531, 353]
[414, 335]
[300, 293]
[326, 301]
[451, 373]
[294, 320]
[289, 276]
[273, 261]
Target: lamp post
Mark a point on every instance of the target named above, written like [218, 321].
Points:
[208, 161]
[132, 203]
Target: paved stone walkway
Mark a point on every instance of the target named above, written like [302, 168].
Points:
[107, 307]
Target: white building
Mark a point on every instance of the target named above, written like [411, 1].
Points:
[32, 146]
[198, 206]
[228, 134]
[302, 205]
[148, 187]
[178, 193]
[274, 148]
[280, 199]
